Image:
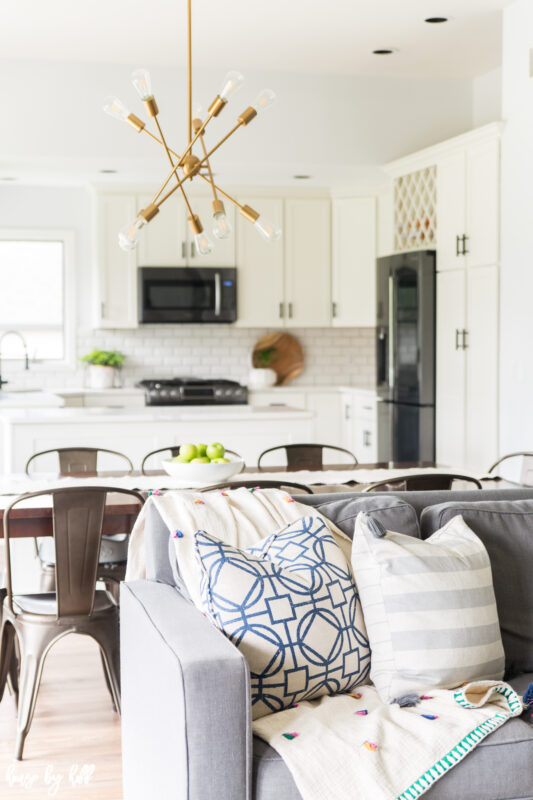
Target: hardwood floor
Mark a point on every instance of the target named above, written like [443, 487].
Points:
[73, 747]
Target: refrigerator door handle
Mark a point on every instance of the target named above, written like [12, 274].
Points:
[391, 332]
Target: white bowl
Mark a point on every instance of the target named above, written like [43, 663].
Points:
[203, 474]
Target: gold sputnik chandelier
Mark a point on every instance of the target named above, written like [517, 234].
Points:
[188, 166]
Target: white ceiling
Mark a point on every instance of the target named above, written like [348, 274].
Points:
[330, 36]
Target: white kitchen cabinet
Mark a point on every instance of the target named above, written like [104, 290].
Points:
[307, 238]
[260, 276]
[353, 261]
[163, 242]
[116, 270]
[467, 368]
[451, 368]
[327, 409]
[359, 424]
[468, 204]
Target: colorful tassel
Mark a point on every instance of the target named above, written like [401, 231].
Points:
[528, 695]
[289, 500]
[356, 695]
[156, 491]
[289, 735]
[362, 713]
[200, 502]
[425, 697]
[178, 535]
[370, 745]
[224, 494]
[430, 716]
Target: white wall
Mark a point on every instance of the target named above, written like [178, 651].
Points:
[516, 355]
[487, 98]
[333, 127]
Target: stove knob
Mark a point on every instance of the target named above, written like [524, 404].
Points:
[173, 393]
[228, 392]
[218, 392]
[164, 393]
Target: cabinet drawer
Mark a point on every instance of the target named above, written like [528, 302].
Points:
[365, 407]
[294, 399]
[365, 440]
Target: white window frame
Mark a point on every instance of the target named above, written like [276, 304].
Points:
[67, 238]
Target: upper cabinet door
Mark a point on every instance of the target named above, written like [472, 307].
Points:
[307, 237]
[354, 262]
[223, 253]
[163, 242]
[451, 211]
[116, 296]
[483, 204]
[259, 268]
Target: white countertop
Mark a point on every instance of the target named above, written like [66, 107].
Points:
[244, 413]
[29, 399]
[117, 392]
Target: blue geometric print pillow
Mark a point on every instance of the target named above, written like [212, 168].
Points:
[290, 605]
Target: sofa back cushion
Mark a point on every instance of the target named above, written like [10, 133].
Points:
[392, 513]
[506, 530]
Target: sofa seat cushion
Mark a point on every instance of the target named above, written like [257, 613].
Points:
[289, 604]
[393, 514]
[498, 769]
[506, 530]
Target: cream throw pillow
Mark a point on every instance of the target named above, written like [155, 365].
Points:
[429, 608]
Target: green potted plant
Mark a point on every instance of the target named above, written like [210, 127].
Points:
[261, 375]
[102, 367]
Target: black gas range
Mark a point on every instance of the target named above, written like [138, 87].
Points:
[193, 392]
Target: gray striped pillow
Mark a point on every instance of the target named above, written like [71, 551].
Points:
[429, 608]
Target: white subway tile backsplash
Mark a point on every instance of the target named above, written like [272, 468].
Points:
[332, 356]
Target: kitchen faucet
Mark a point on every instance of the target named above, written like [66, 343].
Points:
[25, 346]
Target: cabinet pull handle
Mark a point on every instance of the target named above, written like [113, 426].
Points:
[281, 311]
[290, 310]
[183, 250]
[334, 310]
[366, 438]
[457, 334]
[458, 240]
[102, 309]
[193, 251]
[347, 412]
[465, 342]
[465, 251]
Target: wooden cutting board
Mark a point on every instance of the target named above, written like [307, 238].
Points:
[288, 360]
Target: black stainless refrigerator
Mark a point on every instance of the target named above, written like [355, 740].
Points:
[405, 321]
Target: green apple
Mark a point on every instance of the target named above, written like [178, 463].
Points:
[201, 449]
[181, 460]
[215, 450]
[188, 451]
[220, 460]
[200, 460]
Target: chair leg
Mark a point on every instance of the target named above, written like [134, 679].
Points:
[35, 642]
[13, 676]
[107, 680]
[7, 653]
[107, 637]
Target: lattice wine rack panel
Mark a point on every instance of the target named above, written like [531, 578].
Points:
[415, 214]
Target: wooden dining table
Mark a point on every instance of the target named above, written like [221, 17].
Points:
[34, 519]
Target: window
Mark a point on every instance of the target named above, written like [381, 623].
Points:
[33, 293]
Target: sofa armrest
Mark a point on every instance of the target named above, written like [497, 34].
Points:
[186, 716]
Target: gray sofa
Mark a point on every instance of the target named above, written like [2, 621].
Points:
[185, 688]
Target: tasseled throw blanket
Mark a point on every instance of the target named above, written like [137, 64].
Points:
[356, 746]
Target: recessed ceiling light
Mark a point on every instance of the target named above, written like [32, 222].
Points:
[436, 20]
[107, 171]
[301, 177]
[383, 51]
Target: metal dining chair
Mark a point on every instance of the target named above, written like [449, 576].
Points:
[526, 468]
[83, 462]
[424, 482]
[301, 487]
[306, 456]
[38, 621]
[173, 450]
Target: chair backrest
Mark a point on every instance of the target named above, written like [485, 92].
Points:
[526, 467]
[306, 456]
[301, 487]
[78, 516]
[173, 450]
[424, 482]
[79, 460]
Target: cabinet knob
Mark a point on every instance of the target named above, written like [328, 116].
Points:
[184, 250]
[281, 311]
[290, 310]
[334, 310]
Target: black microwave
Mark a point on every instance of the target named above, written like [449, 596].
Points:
[187, 294]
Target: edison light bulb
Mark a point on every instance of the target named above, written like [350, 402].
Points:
[267, 229]
[264, 99]
[203, 243]
[232, 82]
[128, 235]
[221, 228]
[141, 80]
[116, 108]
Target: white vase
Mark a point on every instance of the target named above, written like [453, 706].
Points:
[101, 377]
[261, 378]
